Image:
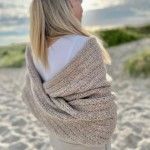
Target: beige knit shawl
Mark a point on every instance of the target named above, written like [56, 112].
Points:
[77, 104]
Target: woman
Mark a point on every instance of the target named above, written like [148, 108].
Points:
[56, 36]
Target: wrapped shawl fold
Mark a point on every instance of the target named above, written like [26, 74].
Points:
[77, 105]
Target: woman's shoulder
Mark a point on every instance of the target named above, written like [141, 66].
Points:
[75, 43]
[76, 38]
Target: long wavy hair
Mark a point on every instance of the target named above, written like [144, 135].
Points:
[51, 19]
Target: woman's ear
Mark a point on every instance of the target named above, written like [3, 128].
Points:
[71, 3]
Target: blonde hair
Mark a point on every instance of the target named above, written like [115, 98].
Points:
[50, 19]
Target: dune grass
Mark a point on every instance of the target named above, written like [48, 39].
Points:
[113, 37]
[13, 55]
[138, 65]
[143, 31]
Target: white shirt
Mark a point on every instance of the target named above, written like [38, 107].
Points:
[60, 53]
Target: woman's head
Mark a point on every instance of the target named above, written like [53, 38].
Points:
[50, 19]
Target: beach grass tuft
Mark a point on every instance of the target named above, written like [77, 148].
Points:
[138, 65]
[12, 55]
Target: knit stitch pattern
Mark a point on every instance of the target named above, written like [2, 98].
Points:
[77, 105]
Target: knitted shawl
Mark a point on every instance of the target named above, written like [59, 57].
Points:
[77, 105]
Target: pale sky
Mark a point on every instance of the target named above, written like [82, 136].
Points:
[93, 4]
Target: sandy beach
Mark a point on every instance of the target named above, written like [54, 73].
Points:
[19, 129]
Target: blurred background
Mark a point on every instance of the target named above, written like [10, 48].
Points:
[124, 26]
[104, 13]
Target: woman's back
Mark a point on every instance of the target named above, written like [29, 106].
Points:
[64, 108]
[60, 53]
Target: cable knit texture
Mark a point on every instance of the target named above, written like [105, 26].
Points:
[77, 105]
